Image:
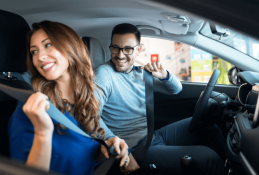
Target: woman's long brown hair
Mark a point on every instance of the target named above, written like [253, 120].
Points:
[68, 42]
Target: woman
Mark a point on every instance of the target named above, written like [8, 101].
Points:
[61, 72]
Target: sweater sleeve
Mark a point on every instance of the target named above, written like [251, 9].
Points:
[171, 86]
[102, 92]
[108, 132]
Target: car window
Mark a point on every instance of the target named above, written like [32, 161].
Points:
[186, 62]
[238, 41]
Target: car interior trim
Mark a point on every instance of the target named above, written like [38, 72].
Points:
[141, 27]
[239, 93]
[249, 167]
[256, 113]
[249, 77]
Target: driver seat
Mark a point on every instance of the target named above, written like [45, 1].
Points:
[13, 29]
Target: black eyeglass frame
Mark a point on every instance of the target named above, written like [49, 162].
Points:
[133, 48]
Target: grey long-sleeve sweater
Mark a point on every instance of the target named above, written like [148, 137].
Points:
[122, 101]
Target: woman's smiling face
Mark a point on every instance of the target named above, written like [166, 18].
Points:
[50, 62]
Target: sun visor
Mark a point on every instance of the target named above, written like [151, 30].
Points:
[175, 28]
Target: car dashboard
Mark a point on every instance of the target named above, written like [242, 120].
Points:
[242, 139]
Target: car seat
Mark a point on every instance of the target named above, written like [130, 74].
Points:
[97, 53]
[13, 29]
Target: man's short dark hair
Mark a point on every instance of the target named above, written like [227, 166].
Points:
[126, 28]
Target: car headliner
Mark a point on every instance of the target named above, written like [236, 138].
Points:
[97, 18]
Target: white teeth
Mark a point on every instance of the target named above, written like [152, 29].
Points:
[122, 61]
[48, 65]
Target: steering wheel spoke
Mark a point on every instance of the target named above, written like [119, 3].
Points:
[202, 101]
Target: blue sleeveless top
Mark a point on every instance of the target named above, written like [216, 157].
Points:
[71, 153]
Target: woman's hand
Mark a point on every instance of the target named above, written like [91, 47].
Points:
[121, 147]
[35, 108]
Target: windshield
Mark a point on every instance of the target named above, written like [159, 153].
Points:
[245, 44]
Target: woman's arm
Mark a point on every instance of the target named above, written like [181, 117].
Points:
[40, 154]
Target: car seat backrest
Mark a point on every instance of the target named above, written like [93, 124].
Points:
[13, 29]
[25, 76]
[96, 50]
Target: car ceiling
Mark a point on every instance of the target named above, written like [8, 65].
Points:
[96, 18]
[88, 17]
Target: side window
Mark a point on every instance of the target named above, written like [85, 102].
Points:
[186, 62]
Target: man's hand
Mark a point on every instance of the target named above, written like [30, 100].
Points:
[157, 69]
[120, 146]
[133, 165]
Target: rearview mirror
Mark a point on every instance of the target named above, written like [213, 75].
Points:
[218, 30]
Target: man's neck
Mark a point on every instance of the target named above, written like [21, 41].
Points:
[130, 69]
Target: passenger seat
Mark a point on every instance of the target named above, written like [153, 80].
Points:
[96, 50]
[13, 29]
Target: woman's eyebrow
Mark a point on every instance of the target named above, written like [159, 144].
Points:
[44, 40]
[41, 42]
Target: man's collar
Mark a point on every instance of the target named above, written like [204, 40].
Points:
[124, 72]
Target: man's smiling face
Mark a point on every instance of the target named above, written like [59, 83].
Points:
[124, 63]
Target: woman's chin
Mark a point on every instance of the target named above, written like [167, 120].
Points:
[50, 78]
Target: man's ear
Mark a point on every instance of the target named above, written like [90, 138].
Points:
[139, 49]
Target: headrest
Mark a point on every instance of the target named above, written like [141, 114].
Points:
[96, 50]
[13, 29]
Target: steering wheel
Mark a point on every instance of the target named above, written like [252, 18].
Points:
[203, 100]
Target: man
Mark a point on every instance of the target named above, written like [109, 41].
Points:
[123, 109]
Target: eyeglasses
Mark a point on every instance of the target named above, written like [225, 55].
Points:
[126, 50]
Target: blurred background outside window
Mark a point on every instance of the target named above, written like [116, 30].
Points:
[187, 63]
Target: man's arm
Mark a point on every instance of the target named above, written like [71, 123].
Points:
[108, 132]
[164, 81]
[101, 97]
[102, 92]
[169, 86]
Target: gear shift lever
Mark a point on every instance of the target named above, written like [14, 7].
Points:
[186, 163]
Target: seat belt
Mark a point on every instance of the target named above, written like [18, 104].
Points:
[22, 95]
[141, 150]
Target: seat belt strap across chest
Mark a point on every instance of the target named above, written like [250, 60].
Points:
[141, 150]
[22, 95]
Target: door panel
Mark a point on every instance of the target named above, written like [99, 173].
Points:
[171, 108]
